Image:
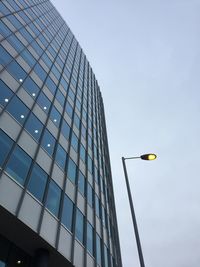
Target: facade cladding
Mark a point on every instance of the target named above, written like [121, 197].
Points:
[56, 195]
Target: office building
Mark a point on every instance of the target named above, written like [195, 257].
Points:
[56, 195]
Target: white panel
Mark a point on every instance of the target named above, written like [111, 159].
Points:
[44, 160]
[81, 203]
[64, 143]
[40, 113]
[90, 261]
[30, 212]
[78, 255]
[58, 175]
[26, 98]
[27, 143]
[65, 243]
[9, 48]
[98, 228]
[9, 125]
[10, 193]
[73, 155]
[52, 128]
[49, 228]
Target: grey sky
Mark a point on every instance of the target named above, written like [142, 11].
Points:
[146, 57]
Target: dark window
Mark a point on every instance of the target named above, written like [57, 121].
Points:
[5, 56]
[31, 87]
[37, 182]
[53, 198]
[17, 72]
[98, 249]
[5, 146]
[67, 213]
[55, 116]
[5, 94]
[18, 110]
[81, 183]
[60, 157]
[79, 225]
[89, 195]
[48, 142]
[74, 142]
[71, 171]
[69, 109]
[60, 97]
[34, 126]
[90, 237]
[18, 165]
[65, 129]
[43, 102]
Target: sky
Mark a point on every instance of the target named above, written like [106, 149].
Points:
[146, 57]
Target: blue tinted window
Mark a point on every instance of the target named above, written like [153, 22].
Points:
[37, 49]
[5, 146]
[53, 198]
[4, 30]
[18, 110]
[98, 249]
[90, 232]
[89, 164]
[71, 94]
[4, 9]
[97, 205]
[81, 183]
[46, 60]
[34, 126]
[18, 165]
[48, 142]
[55, 72]
[60, 97]
[82, 153]
[89, 141]
[26, 35]
[14, 41]
[31, 87]
[89, 195]
[37, 182]
[71, 171]
[26, 55]
[76, 121]
[5, 94]
[83, 131]
[55, 116]
[43, 102]
[5, 56]
[65, 129]
[17, 72]
[40, 72]
[34, 29]
[51, 85]
[78, 104]
[64, 83]
[60, 157]
[67, 213]
[74, 142]
[105, 256]
[69, 109]
[79, 225]
[15, 22]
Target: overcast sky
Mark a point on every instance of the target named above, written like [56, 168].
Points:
[146, 57]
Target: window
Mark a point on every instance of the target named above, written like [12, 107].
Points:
[43, 102]
[4, 30]
[5, 146]
[69, 109]
[105, 256]
[40, 72]
[34, 126]
[18, 110]
[81, 183]
[5, 56]
[65, 129]
[48, 142]
[89, 164]
[27, 56]
[31, 87]
[67, 213]
[53, 198]
[71, 171]
[83, 131]
[82, 153]
[51, 85]
[98, 249]
[16, 71]
[18, 165]
[60, 97]
[97, 205]
[60, 157]
[14, 41]
[79, 225]
[89, 195]
[76, 121]
[90, 246]
[5, 95]
[55, 116]
[74, 142]
[37, 182]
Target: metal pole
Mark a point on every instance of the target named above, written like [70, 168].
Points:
[139, 248]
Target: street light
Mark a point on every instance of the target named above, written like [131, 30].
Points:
[139, 248]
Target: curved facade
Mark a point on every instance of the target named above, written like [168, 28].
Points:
[56, 194]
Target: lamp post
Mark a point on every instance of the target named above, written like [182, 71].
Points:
[137, 237]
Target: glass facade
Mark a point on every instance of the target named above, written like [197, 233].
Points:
[54, 147]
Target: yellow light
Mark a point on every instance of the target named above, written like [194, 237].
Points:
[148, 157]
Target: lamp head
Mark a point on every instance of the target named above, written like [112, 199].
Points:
[148, 156]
